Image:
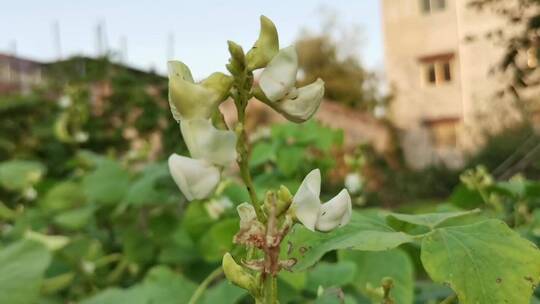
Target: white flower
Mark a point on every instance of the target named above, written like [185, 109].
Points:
[204, 141]
[197, 179]
[304, 105]
[192, 104]
[308, 209]
[279, 76]
[277, 83]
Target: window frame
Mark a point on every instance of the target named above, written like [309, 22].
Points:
[441, 66]
[428, 7]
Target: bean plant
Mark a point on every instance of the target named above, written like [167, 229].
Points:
[480, 258]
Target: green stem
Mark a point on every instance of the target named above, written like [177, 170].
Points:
[270, 290]
[449, 300]
[204, 284]
[242, 145]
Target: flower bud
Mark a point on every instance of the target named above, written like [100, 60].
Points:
[266, 46]
[237, 275]
[237, 53]
[284, 200]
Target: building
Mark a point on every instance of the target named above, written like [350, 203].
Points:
[440, 63]
[18, 75]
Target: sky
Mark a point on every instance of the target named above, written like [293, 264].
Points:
[198, 29]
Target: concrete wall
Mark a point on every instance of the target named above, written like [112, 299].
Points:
[410, 35]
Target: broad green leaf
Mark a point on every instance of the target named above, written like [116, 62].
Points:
[107, 184]
[236, 193]
[296, 280]
[366, 231]
[51, 242]
[289, 159]
[63, 196]
[262, 152]
[57, 283]
[330, 275]
[331, 296]
[218, 240]
[485, 262]
[75, 219]
[196, 220]
[22, 266]
[372, 267]
[18, 175]
[179, 249]
[161, 285]
[430, 220]
[223, 293]
[466, 198]
[145, 190]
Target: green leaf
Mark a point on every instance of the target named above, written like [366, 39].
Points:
[430, 220]
[57, 283]
[107, 184]
[75, 219]
[466, 198]
[218, 240]
[18, 175]
[366, 231]
[145, 190]
[22, 266]
[485, 262]
[262, 152]
[179, 249]
[289, 159]
[330, 296]
[63, 196]
[161, 285]
[196, 220]
[330, 275]
[372, 267]
[223, 293]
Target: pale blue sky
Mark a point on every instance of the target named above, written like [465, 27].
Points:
[200, 28]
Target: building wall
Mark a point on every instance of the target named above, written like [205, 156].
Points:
[18, 75]
[429, 114]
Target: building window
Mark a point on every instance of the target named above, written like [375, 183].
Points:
[432, 6]
[437, 69]
[443, 132]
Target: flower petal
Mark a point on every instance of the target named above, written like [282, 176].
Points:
[247, 214]
[189, 100]
[306, 203]
[266, 46]
[197, 179]
[305, 104]
[335, 213]
[279, 77]
[206, 142]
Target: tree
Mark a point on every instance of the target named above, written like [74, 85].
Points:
[346, 80]
[522, 42]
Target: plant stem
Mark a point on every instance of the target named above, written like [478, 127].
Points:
[204, 284]
[449, 300]
[242, 145]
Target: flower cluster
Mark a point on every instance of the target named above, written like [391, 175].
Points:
[212, 146]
